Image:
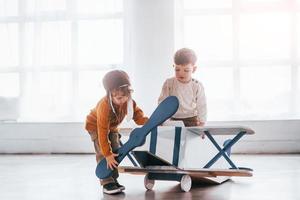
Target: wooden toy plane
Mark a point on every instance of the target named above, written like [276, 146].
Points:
[157, 168]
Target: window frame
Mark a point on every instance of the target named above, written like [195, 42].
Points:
[71, 15]
[239, 7]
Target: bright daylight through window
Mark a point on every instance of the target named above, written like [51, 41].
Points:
[52, 50]
[249, 56]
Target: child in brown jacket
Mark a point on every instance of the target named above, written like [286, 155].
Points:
[103, 121]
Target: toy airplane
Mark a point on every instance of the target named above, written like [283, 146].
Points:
[156, 168]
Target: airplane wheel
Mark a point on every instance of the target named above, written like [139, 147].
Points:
[149, 184]
[186, 183]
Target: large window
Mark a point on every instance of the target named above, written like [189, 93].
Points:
[52, 52]
[249, 55]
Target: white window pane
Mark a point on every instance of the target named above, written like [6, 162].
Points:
[91, 90]
[42, 6]
[8, 8]
[9, 85]
[209, 36]
[219, 91]
[265, 36]
[215, 78]
[48, 43]
[9, 42]
[265, 92]
[100, 7]
[196, 4]
[101, 42]
[47, 96]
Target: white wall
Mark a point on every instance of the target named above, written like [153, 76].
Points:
[270, 137]
[150, 37]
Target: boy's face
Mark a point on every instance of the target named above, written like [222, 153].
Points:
[183, 73]
[119, 97]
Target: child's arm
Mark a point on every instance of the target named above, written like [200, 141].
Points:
[103, 128]
[138, 115]
[164, 92]
[201, 105]
[103, 131]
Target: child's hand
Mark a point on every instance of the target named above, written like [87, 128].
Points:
[111, 161]
[201, 124]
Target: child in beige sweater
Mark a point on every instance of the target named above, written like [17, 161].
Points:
[190, 92]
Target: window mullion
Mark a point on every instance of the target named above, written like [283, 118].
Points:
[20, 68]
[72, 11]
[179, 24]
[235, 53]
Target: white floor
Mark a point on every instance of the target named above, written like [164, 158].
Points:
[43, 177]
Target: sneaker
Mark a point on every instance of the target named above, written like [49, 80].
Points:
[111, 188]
[121, 187]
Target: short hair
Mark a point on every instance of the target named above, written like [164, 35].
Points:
[185, 56]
